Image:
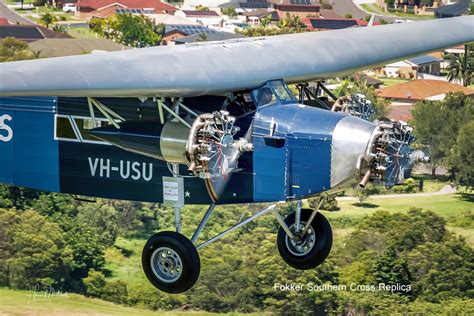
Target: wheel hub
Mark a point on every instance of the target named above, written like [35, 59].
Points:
[301, 245]
[166, 264]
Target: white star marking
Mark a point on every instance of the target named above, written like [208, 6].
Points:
[187, 194]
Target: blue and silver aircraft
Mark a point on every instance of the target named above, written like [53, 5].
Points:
[212, 123]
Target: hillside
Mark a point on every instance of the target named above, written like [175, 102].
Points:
[14, 302]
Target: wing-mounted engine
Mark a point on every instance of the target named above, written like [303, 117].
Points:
[212, 149]
[389, 157]
[356, 105]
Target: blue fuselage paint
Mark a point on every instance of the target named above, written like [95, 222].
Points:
[33, 157]
[302, 167]
[29, 153]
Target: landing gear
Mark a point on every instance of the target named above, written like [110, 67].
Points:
[171, 262]
[310, 244]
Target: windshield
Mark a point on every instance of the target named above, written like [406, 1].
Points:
[271, 93]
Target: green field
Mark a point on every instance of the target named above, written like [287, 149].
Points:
[14, 302]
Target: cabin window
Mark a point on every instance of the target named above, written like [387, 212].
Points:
[64, 129]
[281, 91]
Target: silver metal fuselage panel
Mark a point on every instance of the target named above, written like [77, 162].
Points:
[350, 140]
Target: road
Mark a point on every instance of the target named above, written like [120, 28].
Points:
[342, 7]
[447, 189]
[12, 16]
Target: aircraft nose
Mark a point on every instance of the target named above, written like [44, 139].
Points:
[350, 140]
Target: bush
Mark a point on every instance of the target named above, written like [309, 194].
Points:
[409, 186]
[94, 283]
[330, 204]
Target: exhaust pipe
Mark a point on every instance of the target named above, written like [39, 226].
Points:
[365, 179]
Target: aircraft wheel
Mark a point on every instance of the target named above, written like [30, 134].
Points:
[171, 262]
[311, 250]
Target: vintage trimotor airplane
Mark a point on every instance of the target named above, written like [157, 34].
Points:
[212, 123]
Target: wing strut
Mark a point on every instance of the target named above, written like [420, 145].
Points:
[110, 115]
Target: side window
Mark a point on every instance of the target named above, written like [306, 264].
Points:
[64, 129]
[263, 96]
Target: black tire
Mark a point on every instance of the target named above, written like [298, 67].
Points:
[172, 245]
[320, 249]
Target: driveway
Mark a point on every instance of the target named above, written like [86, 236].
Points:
[12, 16]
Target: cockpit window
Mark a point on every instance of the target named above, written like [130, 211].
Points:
[272, 92]
[281, 91]
[264, 96]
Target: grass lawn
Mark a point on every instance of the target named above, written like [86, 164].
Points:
[82, 32]
[392, 81]
[14, 302]
[375, 9]
[444, 205]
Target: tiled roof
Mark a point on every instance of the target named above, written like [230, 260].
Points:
[421, 89]
[142, 4]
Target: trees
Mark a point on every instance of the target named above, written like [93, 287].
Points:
[461, 67]
[46, 19]
[128, 29]
[461, 158]
[437, 124]
[12, 49]
[33, 250]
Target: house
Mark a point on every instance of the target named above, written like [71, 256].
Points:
[174, 32]
[29, 33]
[452, 10]
[322, 24]
[205, 17]
[302, 8]
[87, 9]
[422, 89]
[404, 95]
[414, 67]
[217, 36]
[58, 47]
[254, 17]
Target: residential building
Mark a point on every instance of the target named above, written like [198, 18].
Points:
[413, 68]
[322, 24]
[174, 32]
[29, 33]
[205, 17]
[404, 95]
[87, 9]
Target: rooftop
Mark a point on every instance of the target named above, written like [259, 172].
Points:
[421, 90]
[332, 23]
[217, 36]
[188, 29]
[29, 32]
[73, 46]
[207, 13]
[157, 5]
[424, 59]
